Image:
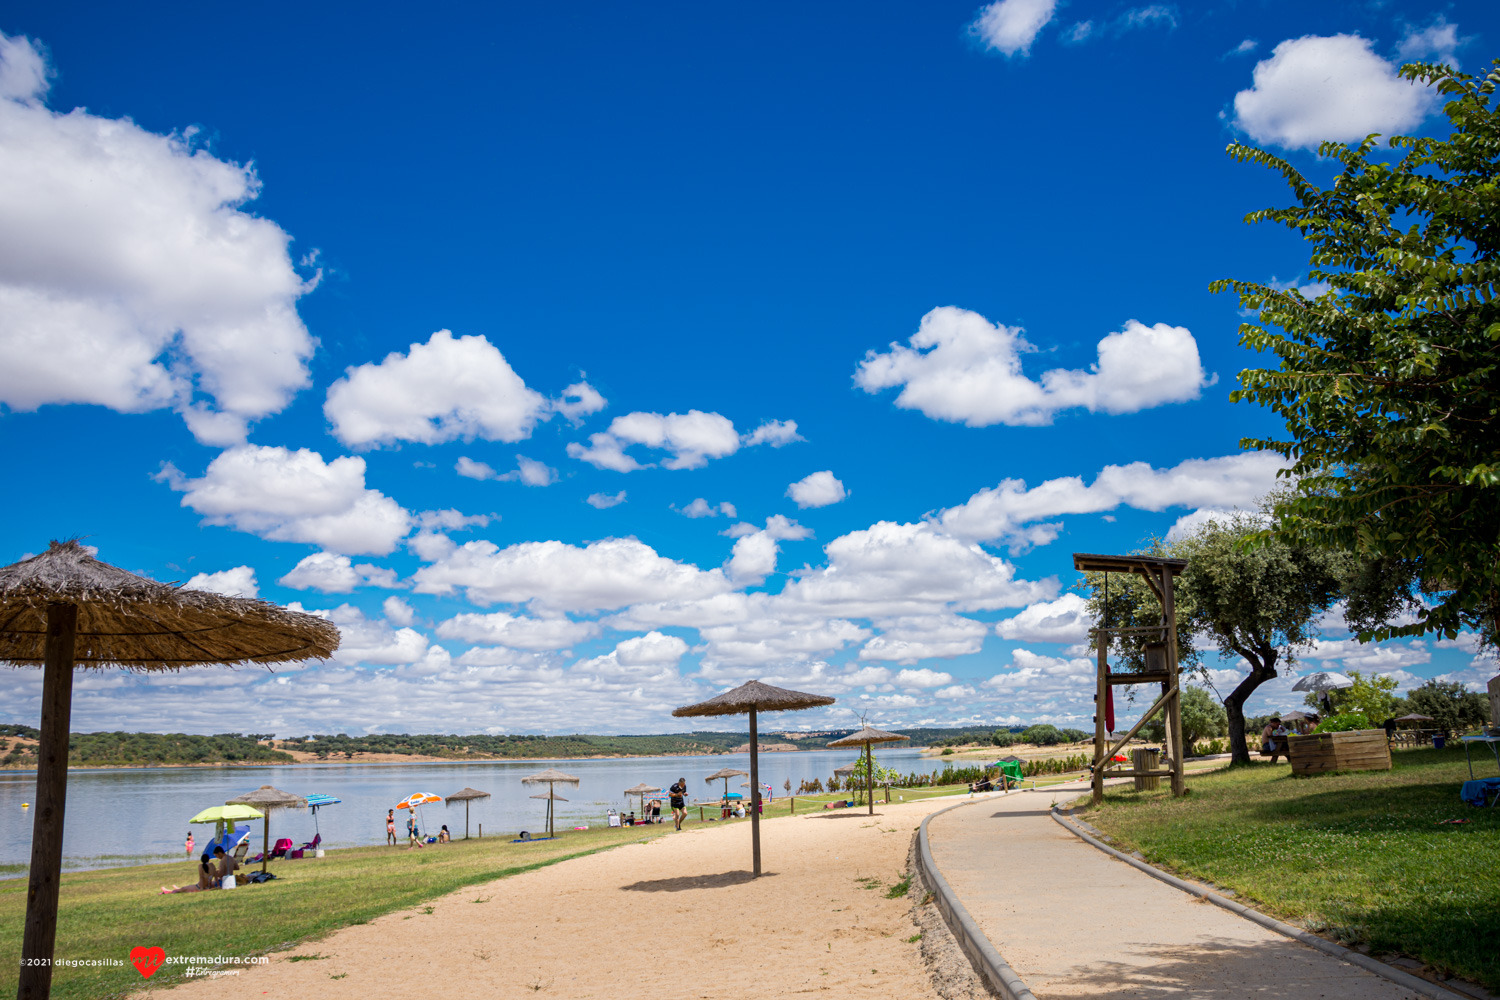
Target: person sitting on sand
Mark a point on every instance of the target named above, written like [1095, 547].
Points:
[443, 836]
[206, 880]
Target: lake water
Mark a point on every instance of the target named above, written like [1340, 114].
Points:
[129, 816]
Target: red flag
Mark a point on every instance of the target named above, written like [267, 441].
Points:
[1109, 708]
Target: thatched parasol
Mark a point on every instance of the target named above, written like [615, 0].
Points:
[551, 797]
[846, 770]
[725, 773]
[753, 697]
[642, 790]
[64, 608]
[551, 776]
[867, 737]
[267, 799]
[466, 796]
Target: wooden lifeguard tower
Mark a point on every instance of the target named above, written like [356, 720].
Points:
[1160, 667]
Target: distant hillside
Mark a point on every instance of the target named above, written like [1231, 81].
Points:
[18, 746]
[142, 749]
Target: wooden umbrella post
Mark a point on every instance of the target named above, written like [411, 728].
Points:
[869, 779]
[51, 797]
[466, 819]
[754, 797]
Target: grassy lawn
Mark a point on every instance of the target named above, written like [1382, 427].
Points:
[1359, 856]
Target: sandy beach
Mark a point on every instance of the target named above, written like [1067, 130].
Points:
[676, 917]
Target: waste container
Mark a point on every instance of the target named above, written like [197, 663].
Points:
[1144, 759]
[1439, 741]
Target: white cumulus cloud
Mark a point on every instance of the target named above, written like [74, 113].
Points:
[130, 276]
[556, 577]
[1066, 619]
[336, 574]
[690, 439]
[1010, 26]
[517, 631]
[702, 508]
[295, 496]
[1313, 89]
[442, 390]
[604, 501]
[960, 367]
[236, 582]
[817, 490]
[1003, 513]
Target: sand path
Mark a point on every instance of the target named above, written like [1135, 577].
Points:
[675, 917]
[1074, 922]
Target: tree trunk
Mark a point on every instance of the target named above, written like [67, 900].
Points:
[1262, 668]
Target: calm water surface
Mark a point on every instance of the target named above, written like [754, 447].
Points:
[139, 815]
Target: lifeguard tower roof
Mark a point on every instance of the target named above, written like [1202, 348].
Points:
[1089, 563]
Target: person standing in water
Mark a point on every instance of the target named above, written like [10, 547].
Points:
[390, 827]
[189, 844]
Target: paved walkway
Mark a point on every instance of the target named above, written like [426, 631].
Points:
[1073, 921]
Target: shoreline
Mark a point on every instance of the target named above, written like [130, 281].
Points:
[402, 759]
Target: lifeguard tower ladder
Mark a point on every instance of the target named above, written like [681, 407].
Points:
[1160, 667]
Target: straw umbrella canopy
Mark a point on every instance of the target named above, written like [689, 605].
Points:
[551, 776]
[753, 697]
[65, 609]
[867, 737]
[725, 773]
[267, 799]
[551, 797]
[642, 790]
[466, 796]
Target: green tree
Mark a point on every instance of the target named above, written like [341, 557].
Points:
[1203, 718]
[1257, 603]
[1374, 697]
[1388, 378]
[1451, 706]
[1043, 735]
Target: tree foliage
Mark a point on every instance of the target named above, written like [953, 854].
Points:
[1258, 603]
[1374, 697]
[1451, 706]
[1388, 380]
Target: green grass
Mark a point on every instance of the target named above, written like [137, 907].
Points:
[1360, 857]
[103, 914]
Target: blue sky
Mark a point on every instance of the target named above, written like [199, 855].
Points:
[583, 362]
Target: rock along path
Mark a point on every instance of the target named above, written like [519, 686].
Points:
[1074, 922]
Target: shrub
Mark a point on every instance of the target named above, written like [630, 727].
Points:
[947, 751]
[1343, 722]
[1003, 738]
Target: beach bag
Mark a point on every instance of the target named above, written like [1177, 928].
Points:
[227, 882]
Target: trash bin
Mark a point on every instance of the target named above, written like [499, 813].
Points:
[1144, 759]
[1439, 741]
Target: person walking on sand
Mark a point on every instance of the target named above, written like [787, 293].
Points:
[678, 792]
[390, 827]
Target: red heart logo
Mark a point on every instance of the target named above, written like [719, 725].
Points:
[147, 960]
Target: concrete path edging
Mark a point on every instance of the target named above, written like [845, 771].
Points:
[1418, 985]
[971, 939]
